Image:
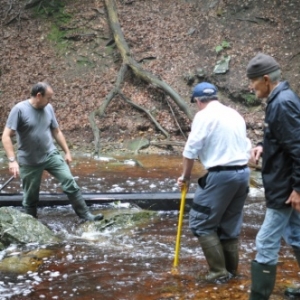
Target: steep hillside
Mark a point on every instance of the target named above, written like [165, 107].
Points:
[72, 48]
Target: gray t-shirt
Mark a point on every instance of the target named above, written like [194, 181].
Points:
[33, 128]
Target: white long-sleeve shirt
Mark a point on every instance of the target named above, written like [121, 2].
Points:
[218, 137]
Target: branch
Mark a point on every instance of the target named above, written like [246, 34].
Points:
[32, 3]
[96, 132]
[247, 20]
[167, 143]
[148, 114]
[175, 118]
[101, 110]
[293, 56]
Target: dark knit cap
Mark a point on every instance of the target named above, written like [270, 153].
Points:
[261, 64]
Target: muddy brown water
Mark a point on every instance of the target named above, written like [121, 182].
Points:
[137, 264]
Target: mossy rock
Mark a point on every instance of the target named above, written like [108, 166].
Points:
[19, 228]
[119, 219]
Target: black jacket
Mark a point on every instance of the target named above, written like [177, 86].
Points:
[281, 146]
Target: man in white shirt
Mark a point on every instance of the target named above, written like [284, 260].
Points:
[218, 139]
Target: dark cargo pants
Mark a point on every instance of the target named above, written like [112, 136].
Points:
[218, 206]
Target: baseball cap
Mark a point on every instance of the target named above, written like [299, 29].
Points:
[204, 89]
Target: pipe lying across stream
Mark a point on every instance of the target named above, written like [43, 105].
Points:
[153, 201]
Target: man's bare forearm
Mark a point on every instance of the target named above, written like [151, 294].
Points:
[60, 139]
[7, 142]
[187, 167]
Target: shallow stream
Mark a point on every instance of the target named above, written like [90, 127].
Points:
[133, 264]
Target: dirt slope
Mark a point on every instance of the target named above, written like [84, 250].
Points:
[71, 47]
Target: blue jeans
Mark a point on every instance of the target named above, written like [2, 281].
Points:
[278, 223]
[218, 206]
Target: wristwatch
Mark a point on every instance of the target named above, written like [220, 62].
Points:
[11, 159]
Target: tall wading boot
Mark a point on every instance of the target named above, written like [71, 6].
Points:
[213, 252]
[263, 280]
[231, 255]
[31, 210]
[81, 208]
[294, 292]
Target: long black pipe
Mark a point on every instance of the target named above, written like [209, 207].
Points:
[154, 201]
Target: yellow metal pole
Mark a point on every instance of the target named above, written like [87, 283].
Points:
[182, 204]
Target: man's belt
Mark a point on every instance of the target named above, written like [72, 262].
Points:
[226, 168]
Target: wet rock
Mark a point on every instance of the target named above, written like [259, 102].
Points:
[136, 144]
[19, 228]
[200, 73]
[133, 162]
[121, 219]
[256, 179]
[21, 263]
[222, 65]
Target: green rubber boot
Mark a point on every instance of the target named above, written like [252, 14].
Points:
[231, 255]
[31, 210]
[81, 208]
[263, 280]
[214, 255]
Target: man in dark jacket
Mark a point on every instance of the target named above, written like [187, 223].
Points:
[280, 152]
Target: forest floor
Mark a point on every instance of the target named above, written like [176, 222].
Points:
[179, 41]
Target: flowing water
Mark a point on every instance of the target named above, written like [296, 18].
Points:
[133, 264]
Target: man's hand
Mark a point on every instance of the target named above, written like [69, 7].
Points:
[61, 141]
[181, 181]
[68, 158]
[294, 200]
[14, 168]
[256, 154]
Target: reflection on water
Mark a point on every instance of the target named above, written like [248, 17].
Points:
[134, 264]
[115, 175]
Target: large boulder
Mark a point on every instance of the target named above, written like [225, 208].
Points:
[19, 228]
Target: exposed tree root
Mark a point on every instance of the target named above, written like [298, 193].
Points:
[130, 63]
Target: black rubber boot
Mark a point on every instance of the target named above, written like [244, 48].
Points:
[231, 255]
[31, 210]
[81, 208]
[294, 293]
[213, 253]
[263, 280]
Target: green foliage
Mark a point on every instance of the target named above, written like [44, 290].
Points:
[53, 8]
[224, 45]
[84, 61]
[250, 99]
[55, 11]
[57, 37]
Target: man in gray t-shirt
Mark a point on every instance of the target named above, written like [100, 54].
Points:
[35, 125]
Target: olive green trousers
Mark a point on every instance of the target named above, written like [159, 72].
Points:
[31, 177]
